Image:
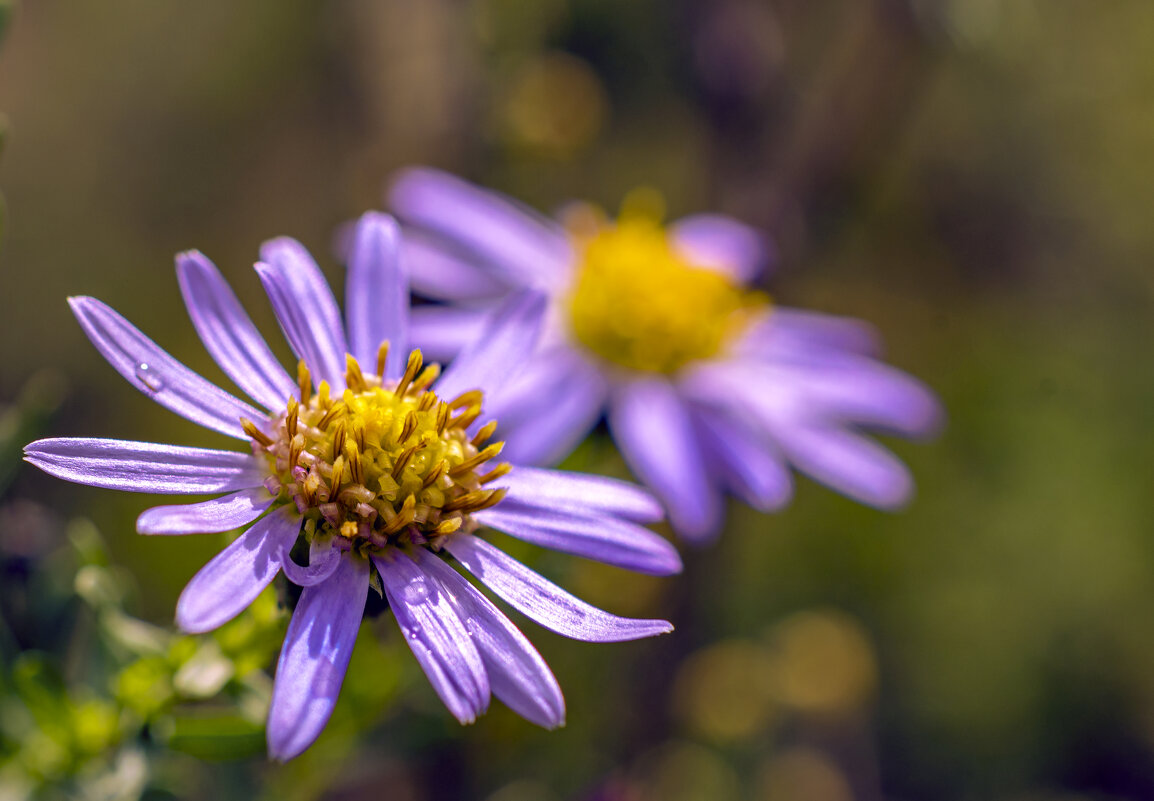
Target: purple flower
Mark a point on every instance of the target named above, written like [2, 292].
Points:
[380, 463]
[707, 387]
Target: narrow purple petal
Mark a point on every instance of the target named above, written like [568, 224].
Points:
[553, 403]
[238, 574]
[436, 270]
[843, 389]
[652, 428]
[580, 494]
[152, 371]
[793, 334]
[509, 337]
[305, 308]
[207, 517]
[517, 673]
[526, 246]
[850, 464]
[441, 332]
[866, 392]
[605, 539]
[324, 559]
[229, 334]
[750, 466]
[543, 601]
[723, 244]
[144, 466]
[315, 657]
[436, 635]
[377, 294]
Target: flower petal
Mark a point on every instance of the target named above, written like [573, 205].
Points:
[238, 574]
[305, 308]
[554, 402]
[229, 334]
[152, 371]
[751, 468]
[144, 466]
[580, 494]
[377, 294]
[723, 244]
[608, 540]
[850, 464]
[324, 560]
[835, 390]
[508, 338]
[528, 248]
[517, 673]
[866, 392]
[791, 334]
[441, 332]
[207, 517]
[435, 634]
[542, 600]
[652, 428]
[436, 271]
[810, 433]
[315, 657]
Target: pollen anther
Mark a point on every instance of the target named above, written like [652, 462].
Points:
[383, 462]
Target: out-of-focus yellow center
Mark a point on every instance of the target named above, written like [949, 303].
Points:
[638, 303]
[382, 464]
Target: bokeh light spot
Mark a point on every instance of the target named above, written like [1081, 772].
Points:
[725, 692]
[826, 662]
[802, 774]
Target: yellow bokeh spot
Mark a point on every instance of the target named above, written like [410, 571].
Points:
[826, 663]
[637, 302]
[801, 774]
[556, 105]
[726, 692]
[681, 771]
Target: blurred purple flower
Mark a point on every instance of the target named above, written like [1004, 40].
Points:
[382, 476]
[707, 387]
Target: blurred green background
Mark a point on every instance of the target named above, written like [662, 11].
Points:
[973, 176]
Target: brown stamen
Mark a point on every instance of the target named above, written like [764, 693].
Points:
[304, 381]
[411, 370]
[497, 472]
[430, 374]
[382, 357]
[484, 433]
[477, 459]
[354, 378]
[255, 433]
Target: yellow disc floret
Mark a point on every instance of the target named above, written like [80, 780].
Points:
[638, 303]
[381, 463]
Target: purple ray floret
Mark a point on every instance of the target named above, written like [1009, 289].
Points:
[379, 464]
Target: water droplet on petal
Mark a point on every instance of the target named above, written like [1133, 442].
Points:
[148, 376]
[415, 591]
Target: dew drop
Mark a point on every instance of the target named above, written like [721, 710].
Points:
[148, 376]
[415, 592]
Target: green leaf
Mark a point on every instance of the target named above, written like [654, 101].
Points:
[215, 735]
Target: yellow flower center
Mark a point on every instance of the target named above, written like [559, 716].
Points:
[381, 463]
[638, 303]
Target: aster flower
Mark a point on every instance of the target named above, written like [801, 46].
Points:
[380, 465]
[707, 387]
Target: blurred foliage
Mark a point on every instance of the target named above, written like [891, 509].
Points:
[970, 175]
[94, 701]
